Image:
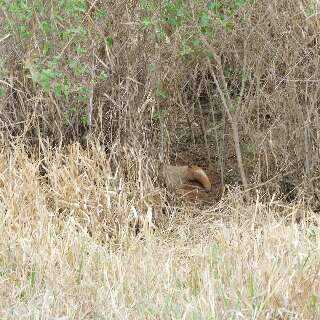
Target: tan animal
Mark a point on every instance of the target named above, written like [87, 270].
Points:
[176, 176]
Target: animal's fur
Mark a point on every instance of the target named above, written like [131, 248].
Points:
[175, 176]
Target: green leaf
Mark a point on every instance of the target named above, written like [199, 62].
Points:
[32, 279]
[24, 33]
[214, 6]
[101, 13]
[2, 92]
[204, 19]
[44, 77]
[147, 23]
[109, 41]
[78, 68]
[84, 120]
[103, 76]
[45, 26]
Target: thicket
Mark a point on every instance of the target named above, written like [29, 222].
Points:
[205, 81]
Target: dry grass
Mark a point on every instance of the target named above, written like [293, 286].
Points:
[62, 256]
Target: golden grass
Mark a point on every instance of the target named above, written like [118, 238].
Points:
[67, 250]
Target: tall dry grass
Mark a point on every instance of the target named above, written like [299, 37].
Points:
[69, 250]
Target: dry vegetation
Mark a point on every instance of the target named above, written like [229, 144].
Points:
[94, 95]
[68, 249]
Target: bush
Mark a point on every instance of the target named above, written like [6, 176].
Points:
[207, 81]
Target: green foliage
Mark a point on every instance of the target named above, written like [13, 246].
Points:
[103, 76]
[311, 9]
[55, 36]
[174, 12]
[79, 69]
[58, 37]
[177, 16]
[46, 27]
[168, 13]
[147, 23]
[101, 14]
[313, 303]
[62, 88]
[45, 77]
[73, 7]
[32, 278]
[109, 41]
[2, 92]
[204, 21]
[20, 10]
[84, 120]
[251, 286]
